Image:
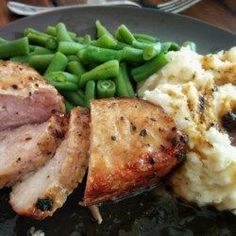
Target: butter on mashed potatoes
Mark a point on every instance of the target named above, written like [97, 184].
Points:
[197, 91]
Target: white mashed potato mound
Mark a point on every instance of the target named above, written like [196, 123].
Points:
[197, 91]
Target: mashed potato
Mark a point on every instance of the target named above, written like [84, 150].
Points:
[197, 91]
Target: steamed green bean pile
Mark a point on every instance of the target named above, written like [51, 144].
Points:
[82, 68]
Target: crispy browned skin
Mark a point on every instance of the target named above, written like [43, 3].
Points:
[25, 97]
[133, 144]
[42, 193]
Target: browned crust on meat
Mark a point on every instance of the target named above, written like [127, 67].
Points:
[48, 143]
[143, 167]
[25, 97]
[21, 76]
[71, 171]
[56, 132]
[147, 171]
[57, 193]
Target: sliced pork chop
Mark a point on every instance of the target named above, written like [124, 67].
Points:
[45, 191]
[26, 148]
[25, 97]
[133, 144]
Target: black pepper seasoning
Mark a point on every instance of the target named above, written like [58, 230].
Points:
[143, 133]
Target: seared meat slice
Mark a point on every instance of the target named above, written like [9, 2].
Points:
[133, 144]
[25, 97]
[26, 148]
[42, 193]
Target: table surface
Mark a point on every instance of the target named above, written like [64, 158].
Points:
[211, 11]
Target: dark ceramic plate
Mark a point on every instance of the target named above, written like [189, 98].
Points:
[151, 213]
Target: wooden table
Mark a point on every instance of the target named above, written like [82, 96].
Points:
[211, 11]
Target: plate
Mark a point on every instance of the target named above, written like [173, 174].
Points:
[154, 212]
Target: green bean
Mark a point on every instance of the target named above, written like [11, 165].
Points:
[87, 39]
[68, 86]
[41, 40]
[92, 65]
[58, 63]
[69, 48]
[32, 48]
[165, 47]
[106, 41]
[123, 85]
[33, 31]
[143, 72]
[40, 62]
[127, 80]
[174, 47]
[62, 33]
[132, 55]
[106, 89]
[21, 59]
[120, 45]
[79, 40]
[169, 46]
[63, 80]
[51, 30]
[104, 71]
[72, 58]
[191, 45]
[69, 106]
[2, 40]
[121, 88]
[76, 68]
[150, 51]
[80, 93]
[73, 97]
[123, 34]
[64, 76]
[140, 45]
[90, 92]
[96, 54]
[145, 38]
[18, 47]
[101, 30]
[37, 50]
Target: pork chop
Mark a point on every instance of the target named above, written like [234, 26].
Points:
[25, 97]
[26, 148]
[133, 144]
[42, 193]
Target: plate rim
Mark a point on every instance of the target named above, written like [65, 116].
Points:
[189, 18]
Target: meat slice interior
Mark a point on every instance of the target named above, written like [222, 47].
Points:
[46, 190]
[26, 148]
[25, 97]
[133, 144]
